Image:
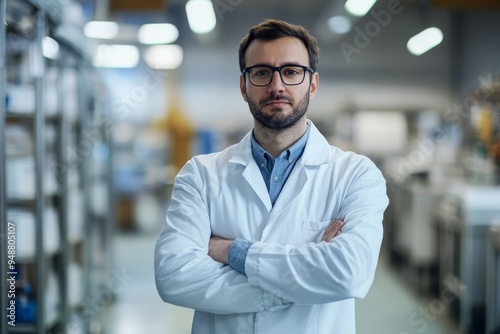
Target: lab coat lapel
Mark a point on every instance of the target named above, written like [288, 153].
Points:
[254, 178]
[291, 190]
[251, 173]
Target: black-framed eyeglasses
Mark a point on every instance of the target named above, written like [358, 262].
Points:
[262, 75]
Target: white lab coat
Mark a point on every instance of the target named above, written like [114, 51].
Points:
[294, 283]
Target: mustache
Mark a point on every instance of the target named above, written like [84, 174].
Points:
[271, 98]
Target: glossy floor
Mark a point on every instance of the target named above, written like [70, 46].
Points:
[390, 307]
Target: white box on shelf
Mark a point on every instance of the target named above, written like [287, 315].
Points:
[70, 94]
[21, 98]
[24, 220]
[51, 235]
[75, 216]
[51, 91]
[52, 299]
[21, 177]
[25, 223]
[18, 140]
[76, 284]
[51, 186]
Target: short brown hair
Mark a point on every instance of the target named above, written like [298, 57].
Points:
[272, 29]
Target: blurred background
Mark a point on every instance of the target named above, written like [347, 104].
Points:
[105, 100]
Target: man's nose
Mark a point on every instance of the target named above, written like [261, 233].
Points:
[276, 84]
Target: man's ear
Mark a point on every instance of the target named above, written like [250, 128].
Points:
[313, 88]
[243, 87]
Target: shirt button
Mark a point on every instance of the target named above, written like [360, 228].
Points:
[262, 165]
[276, 178]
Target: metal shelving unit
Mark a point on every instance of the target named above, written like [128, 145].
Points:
[75, 248]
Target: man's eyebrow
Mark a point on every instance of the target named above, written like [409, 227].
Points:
[260, 64]
[288, 63]
[292, 63]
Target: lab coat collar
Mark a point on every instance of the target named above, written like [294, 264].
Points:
[315, 153]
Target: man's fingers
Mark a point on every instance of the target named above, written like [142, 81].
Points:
[333, 230]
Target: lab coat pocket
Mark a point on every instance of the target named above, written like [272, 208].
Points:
[312, 231]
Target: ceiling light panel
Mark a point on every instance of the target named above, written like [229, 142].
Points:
[339, 24]
[116, 56]
[164, 57]
[359, 7]
[158, 33]
[424, 41]
[201, 16]
[101, 29]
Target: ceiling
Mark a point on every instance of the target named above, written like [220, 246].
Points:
[385, 52]
[234, 16]
[380, 74]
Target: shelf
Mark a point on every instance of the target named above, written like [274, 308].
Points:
[19, 116]
[29, 202]
[33, 258]
[28, 329]
[21, 202]
[22, 116]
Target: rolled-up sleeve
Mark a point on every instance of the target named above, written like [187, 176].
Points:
[238, 254]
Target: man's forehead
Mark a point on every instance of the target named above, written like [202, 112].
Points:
[287, 49]
[290, 41]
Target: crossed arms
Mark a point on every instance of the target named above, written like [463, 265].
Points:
[219, 247]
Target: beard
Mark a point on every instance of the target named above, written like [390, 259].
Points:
[278, 119]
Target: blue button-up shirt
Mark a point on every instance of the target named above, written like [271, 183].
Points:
[275, 172]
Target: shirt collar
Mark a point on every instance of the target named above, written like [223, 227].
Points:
[292, 153]
[259, 154]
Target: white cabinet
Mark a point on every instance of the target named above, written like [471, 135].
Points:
[467, 212]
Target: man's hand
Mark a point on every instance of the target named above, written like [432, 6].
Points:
[218, 249]
[333, 230]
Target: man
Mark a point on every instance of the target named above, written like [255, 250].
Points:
[252, 237]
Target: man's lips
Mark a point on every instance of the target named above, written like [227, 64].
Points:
[277, 103]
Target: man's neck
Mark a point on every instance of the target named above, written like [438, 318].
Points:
[276, 141]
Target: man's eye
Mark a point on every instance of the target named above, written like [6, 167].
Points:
[261, 73]
[290, 72]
